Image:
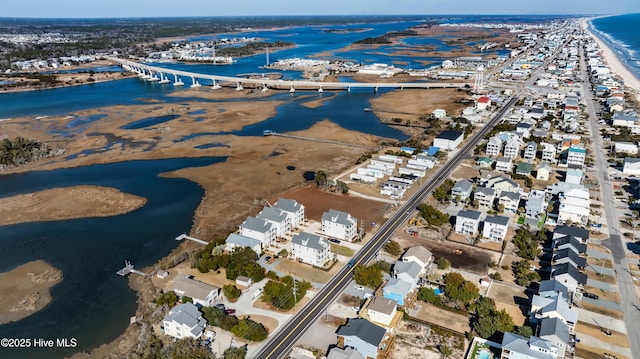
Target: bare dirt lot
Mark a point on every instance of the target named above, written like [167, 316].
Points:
[444, 318]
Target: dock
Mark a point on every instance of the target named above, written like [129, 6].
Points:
[185, 236]
[128, 269]
[274, 133]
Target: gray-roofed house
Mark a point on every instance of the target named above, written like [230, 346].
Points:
[504, 164]
[567, 255]
[535, 207]
[580, 234]
[461, 190]
[278, 218]
[346, 353]
[259, 229]
[553, 307]
[569, 241]
[418, 254]
[515, 346]
[495, 228]
[509, 201]
[202, 293]
[184, 321]
[494, 146]
[569, 275]
[485, 197]
[237, 240]
[467, 222]
[339, 225]
[530, 150]
[408, 272]
[293, 209]
[501, 184]
[382, 310]
[363, 336]
[552, 288]
[310, 248]
[555, 331]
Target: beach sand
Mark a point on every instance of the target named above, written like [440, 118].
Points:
[631, 82]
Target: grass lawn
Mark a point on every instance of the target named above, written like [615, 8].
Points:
[341, 250]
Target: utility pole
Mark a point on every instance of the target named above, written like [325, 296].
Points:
[295, 294]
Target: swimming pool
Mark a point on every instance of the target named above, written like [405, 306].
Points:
[483, 354]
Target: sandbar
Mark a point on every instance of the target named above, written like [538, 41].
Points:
[67, 203]
[25, 290]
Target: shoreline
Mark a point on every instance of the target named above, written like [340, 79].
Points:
[630, 80]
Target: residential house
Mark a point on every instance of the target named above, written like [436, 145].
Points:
[535, 207]
[515, 346]
[237, 240]
[418, 254]
[530, 150]
[408, 272]
[580, 234]
[504, 164]
[569, 275]
[293, 209]
[494, 146]
[556, 332]
[397, 289]
[339, 225]
[626, 148]
[259, 229]
[310, 249]
[624, 119]
[382, 310]
[184, 321]
[552, 288]
[568, 255]
[544, 171]
[363, 336]
[202, 293]
[575, 206]
[484, 162]
[512, 147]
[573, 175]
[278, 218]
[524, 129]
[467, 222]
[548, 152]
[569, 242]
[553, 307]
[484, 197]
[631, 166]
[483, 102]
[495, 228]
[461, 190]
[439, 113]
[509, 201]
[524, 169]
[448, 139]
[502, 183]
[576, 156]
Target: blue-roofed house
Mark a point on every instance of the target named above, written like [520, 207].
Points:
[408, 150]
[397, 289]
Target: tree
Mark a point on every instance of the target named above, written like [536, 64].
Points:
[235, 352]
[392, 247]
[429, 295]
[321, 179]
[167, 298]
[281, 293]
[498, 321]
[242, 261]
[523, 273]
[186, 299]
[458, 289]
[441, 193]
[524, 330]
[250, 330]
[443, 263]
[433, 216]
[342, 187]
[189, 348]
[527, 242]
[218, 318]
[369, 276]
[231, 292]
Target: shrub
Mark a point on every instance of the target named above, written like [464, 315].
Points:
[231, 292]
[443, 263]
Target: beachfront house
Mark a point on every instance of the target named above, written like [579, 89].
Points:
[363, 336]
[310, 249]
[293, 209]
[339, 225]
[515, 346]
[382, 310]
[203, 294]
[184, 321]
[260, 229]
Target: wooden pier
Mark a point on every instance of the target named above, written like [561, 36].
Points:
[185, 236]
[274, 133]
[128, 268]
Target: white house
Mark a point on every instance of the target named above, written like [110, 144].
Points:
[495, 228]
[237, 240]
[512, 147]
[461, 190]
[573, 175]
[202, 293]
[382, 310]
[530, 150]
[439, 113]
[259, 229]
[516, 346]
[184, 321]
[339, 225]
[311, 249]
[574, 206]
[626, 148]
[631, 166]
[548, 152]
[467, 222]
[418, 254]
[544, 171]
[293, 209]
[504, 164]
[576, 156]
[485, 197]
[278, 218]
[494, 146]
[448, 139]
[483, 102]
[509, 201]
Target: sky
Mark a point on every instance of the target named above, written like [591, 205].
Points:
[169, 8]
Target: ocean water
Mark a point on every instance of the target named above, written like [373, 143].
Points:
[622, 34]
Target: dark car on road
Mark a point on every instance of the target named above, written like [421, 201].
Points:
[334, 240]
[229, 311]
[591, 295]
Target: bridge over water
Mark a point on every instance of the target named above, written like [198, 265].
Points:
[166, 76]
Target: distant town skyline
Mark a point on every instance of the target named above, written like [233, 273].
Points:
[165, 8]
